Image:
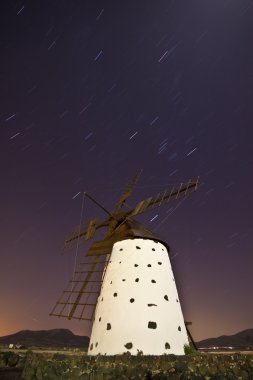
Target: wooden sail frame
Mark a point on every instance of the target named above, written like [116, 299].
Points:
[79, 299]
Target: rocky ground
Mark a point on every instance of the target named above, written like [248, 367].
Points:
[64, 366]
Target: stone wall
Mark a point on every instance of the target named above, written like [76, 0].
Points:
[62, 366]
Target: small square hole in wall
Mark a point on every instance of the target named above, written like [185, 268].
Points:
[131, 300]
[136, 265]
[152, 325]
[137, 247]
[153, 281]
[129, 345]
[149, 265]
[159, 263]
[115, 294]
[166, 297]
[136, 280]
[179, 328]
[108, 327]
[153, 249]
[167, 346]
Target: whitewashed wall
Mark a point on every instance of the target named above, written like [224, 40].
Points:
[138, 308]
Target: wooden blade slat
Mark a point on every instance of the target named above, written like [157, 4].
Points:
[128, 191]
[86, 235]
[103, 247]
[142, 206]
[91, 229]
[164, 197]
[80, 304]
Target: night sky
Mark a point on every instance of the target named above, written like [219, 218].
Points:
[93, 91]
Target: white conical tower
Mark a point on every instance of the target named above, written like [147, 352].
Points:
[138, 308]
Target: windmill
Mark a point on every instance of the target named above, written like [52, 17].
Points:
[125, 285]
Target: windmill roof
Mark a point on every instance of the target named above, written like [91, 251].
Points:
[129, 229]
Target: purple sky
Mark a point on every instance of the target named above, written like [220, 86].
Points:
[90, 93]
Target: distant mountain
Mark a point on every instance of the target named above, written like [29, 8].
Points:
[65, 338]
[46, 338]
[241, 340]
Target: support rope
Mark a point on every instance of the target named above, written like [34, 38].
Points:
[79, 232]
[76, 252]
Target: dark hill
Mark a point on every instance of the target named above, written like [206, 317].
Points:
[243, 339]
[46, 338]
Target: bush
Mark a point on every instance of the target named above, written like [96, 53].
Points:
[189, 350]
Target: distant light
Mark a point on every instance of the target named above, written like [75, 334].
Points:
[163, 56]
[167, 53]
[21, 9]
[154, 120]
[164, 141]
[151, 220]
[10, 117]
[63, 114]
[84, 108]
[13, 137]
[100, 14]
[89, 135]
[162, 147]
[172, 173]
[131, 137]
[193, 150]
[98, 55]
[52, 44]
[76, 195]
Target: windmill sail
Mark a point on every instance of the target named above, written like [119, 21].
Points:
[164, 197]
[79, 299]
